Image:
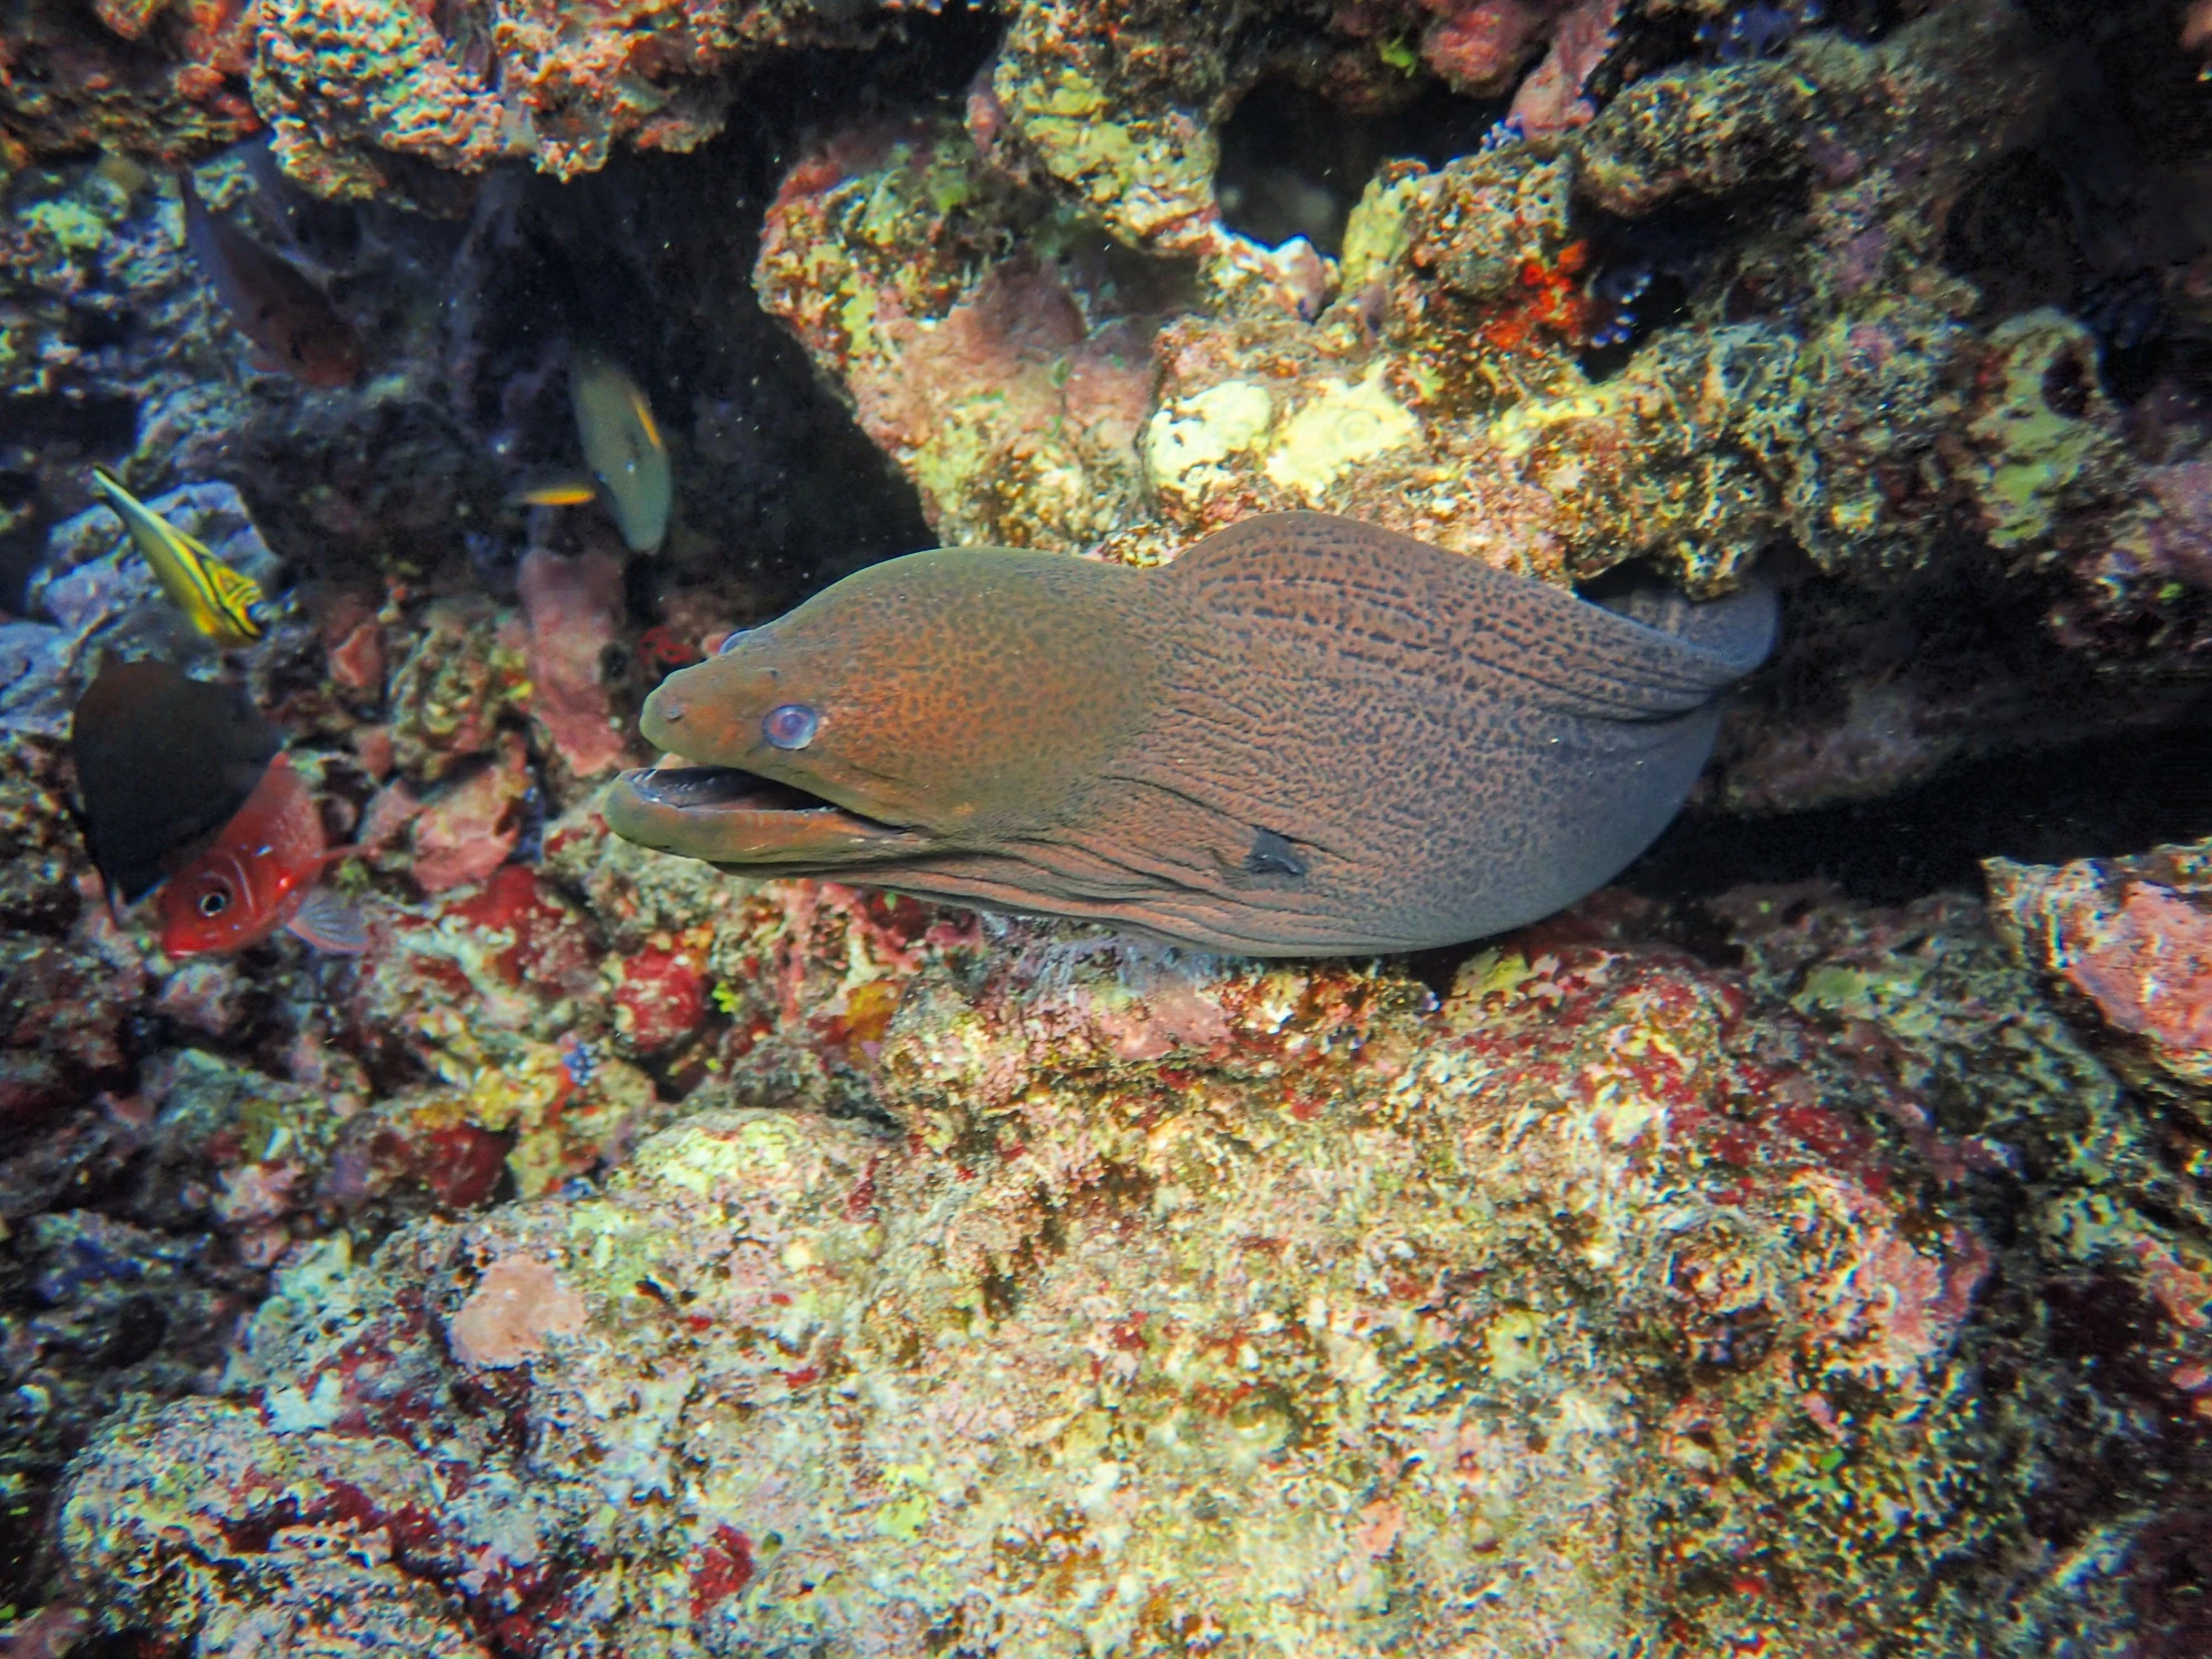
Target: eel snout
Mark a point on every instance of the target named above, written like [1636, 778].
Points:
[725, 814]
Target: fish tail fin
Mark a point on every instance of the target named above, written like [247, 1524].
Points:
[327, 922]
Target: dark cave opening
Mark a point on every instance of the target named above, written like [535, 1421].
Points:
[2097, 799]
[780, 490]
[39, 428]
[2092, 215]
[1292, 162]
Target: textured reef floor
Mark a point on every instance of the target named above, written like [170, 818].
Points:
[1803, 1248]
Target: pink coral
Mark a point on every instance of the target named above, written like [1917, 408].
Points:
[465, 832]
[517, 1303]
[1479, 48]
[1482, 47]
[574, 609]
[660, 998]
[355, 651]
[945, 337]
[2150, 968]
[2132, 940]
[1550, 101]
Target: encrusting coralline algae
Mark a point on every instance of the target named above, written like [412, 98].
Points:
[622, 1258]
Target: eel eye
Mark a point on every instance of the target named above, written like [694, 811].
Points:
[213, 902]
[729, 639]
[790, 725]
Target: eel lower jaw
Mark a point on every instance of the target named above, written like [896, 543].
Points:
[728, 817]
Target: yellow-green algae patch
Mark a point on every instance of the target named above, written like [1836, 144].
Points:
[2045, 439]
[1148, 178]
[1380, 226]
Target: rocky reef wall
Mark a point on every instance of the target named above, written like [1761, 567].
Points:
[618, 1258]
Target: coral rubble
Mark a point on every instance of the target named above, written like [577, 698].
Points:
[620, 1258]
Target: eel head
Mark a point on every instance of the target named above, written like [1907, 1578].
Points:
[753, 794]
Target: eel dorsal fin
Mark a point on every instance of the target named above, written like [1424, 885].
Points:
[1377, 604]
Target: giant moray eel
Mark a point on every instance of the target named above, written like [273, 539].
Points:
[1305, 735]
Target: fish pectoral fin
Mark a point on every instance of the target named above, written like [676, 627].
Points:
[327, 922]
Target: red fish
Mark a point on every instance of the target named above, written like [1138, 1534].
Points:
[259, 875]
[666, 650]
[273, 305]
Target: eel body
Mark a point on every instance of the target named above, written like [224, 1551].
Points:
[1305, 737]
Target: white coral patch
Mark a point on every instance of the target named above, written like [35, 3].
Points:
[1190, 438]
[1345, 425]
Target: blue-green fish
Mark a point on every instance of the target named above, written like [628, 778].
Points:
[622, 447]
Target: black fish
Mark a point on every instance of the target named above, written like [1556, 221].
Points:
[163, 763]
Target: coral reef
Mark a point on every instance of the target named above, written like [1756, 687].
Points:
[2129, 941]
[360, 98]
[1482, 47]
[616, 1257]
[1609, 1291]
[1150, 1373]
[1008, 391]
[141, 78]
[1833, 373]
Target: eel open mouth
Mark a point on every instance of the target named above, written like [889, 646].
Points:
[730, 816]
[713, 787]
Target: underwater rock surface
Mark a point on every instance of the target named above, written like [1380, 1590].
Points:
[1188, 1302]
[1180, 1303]
[2129, 941]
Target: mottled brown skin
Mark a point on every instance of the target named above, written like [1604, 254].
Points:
[1305, 735]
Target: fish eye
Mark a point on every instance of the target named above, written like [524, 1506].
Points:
[790, 725]
[729, 639]
[213, 902]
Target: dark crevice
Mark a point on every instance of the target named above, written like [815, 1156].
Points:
[650, 262]
[1292, 162]
[2102, 798]
[2094, 214]
[32, 432]
[1643, 271]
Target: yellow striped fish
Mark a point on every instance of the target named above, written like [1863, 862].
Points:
[229, 608]
[560, 491]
